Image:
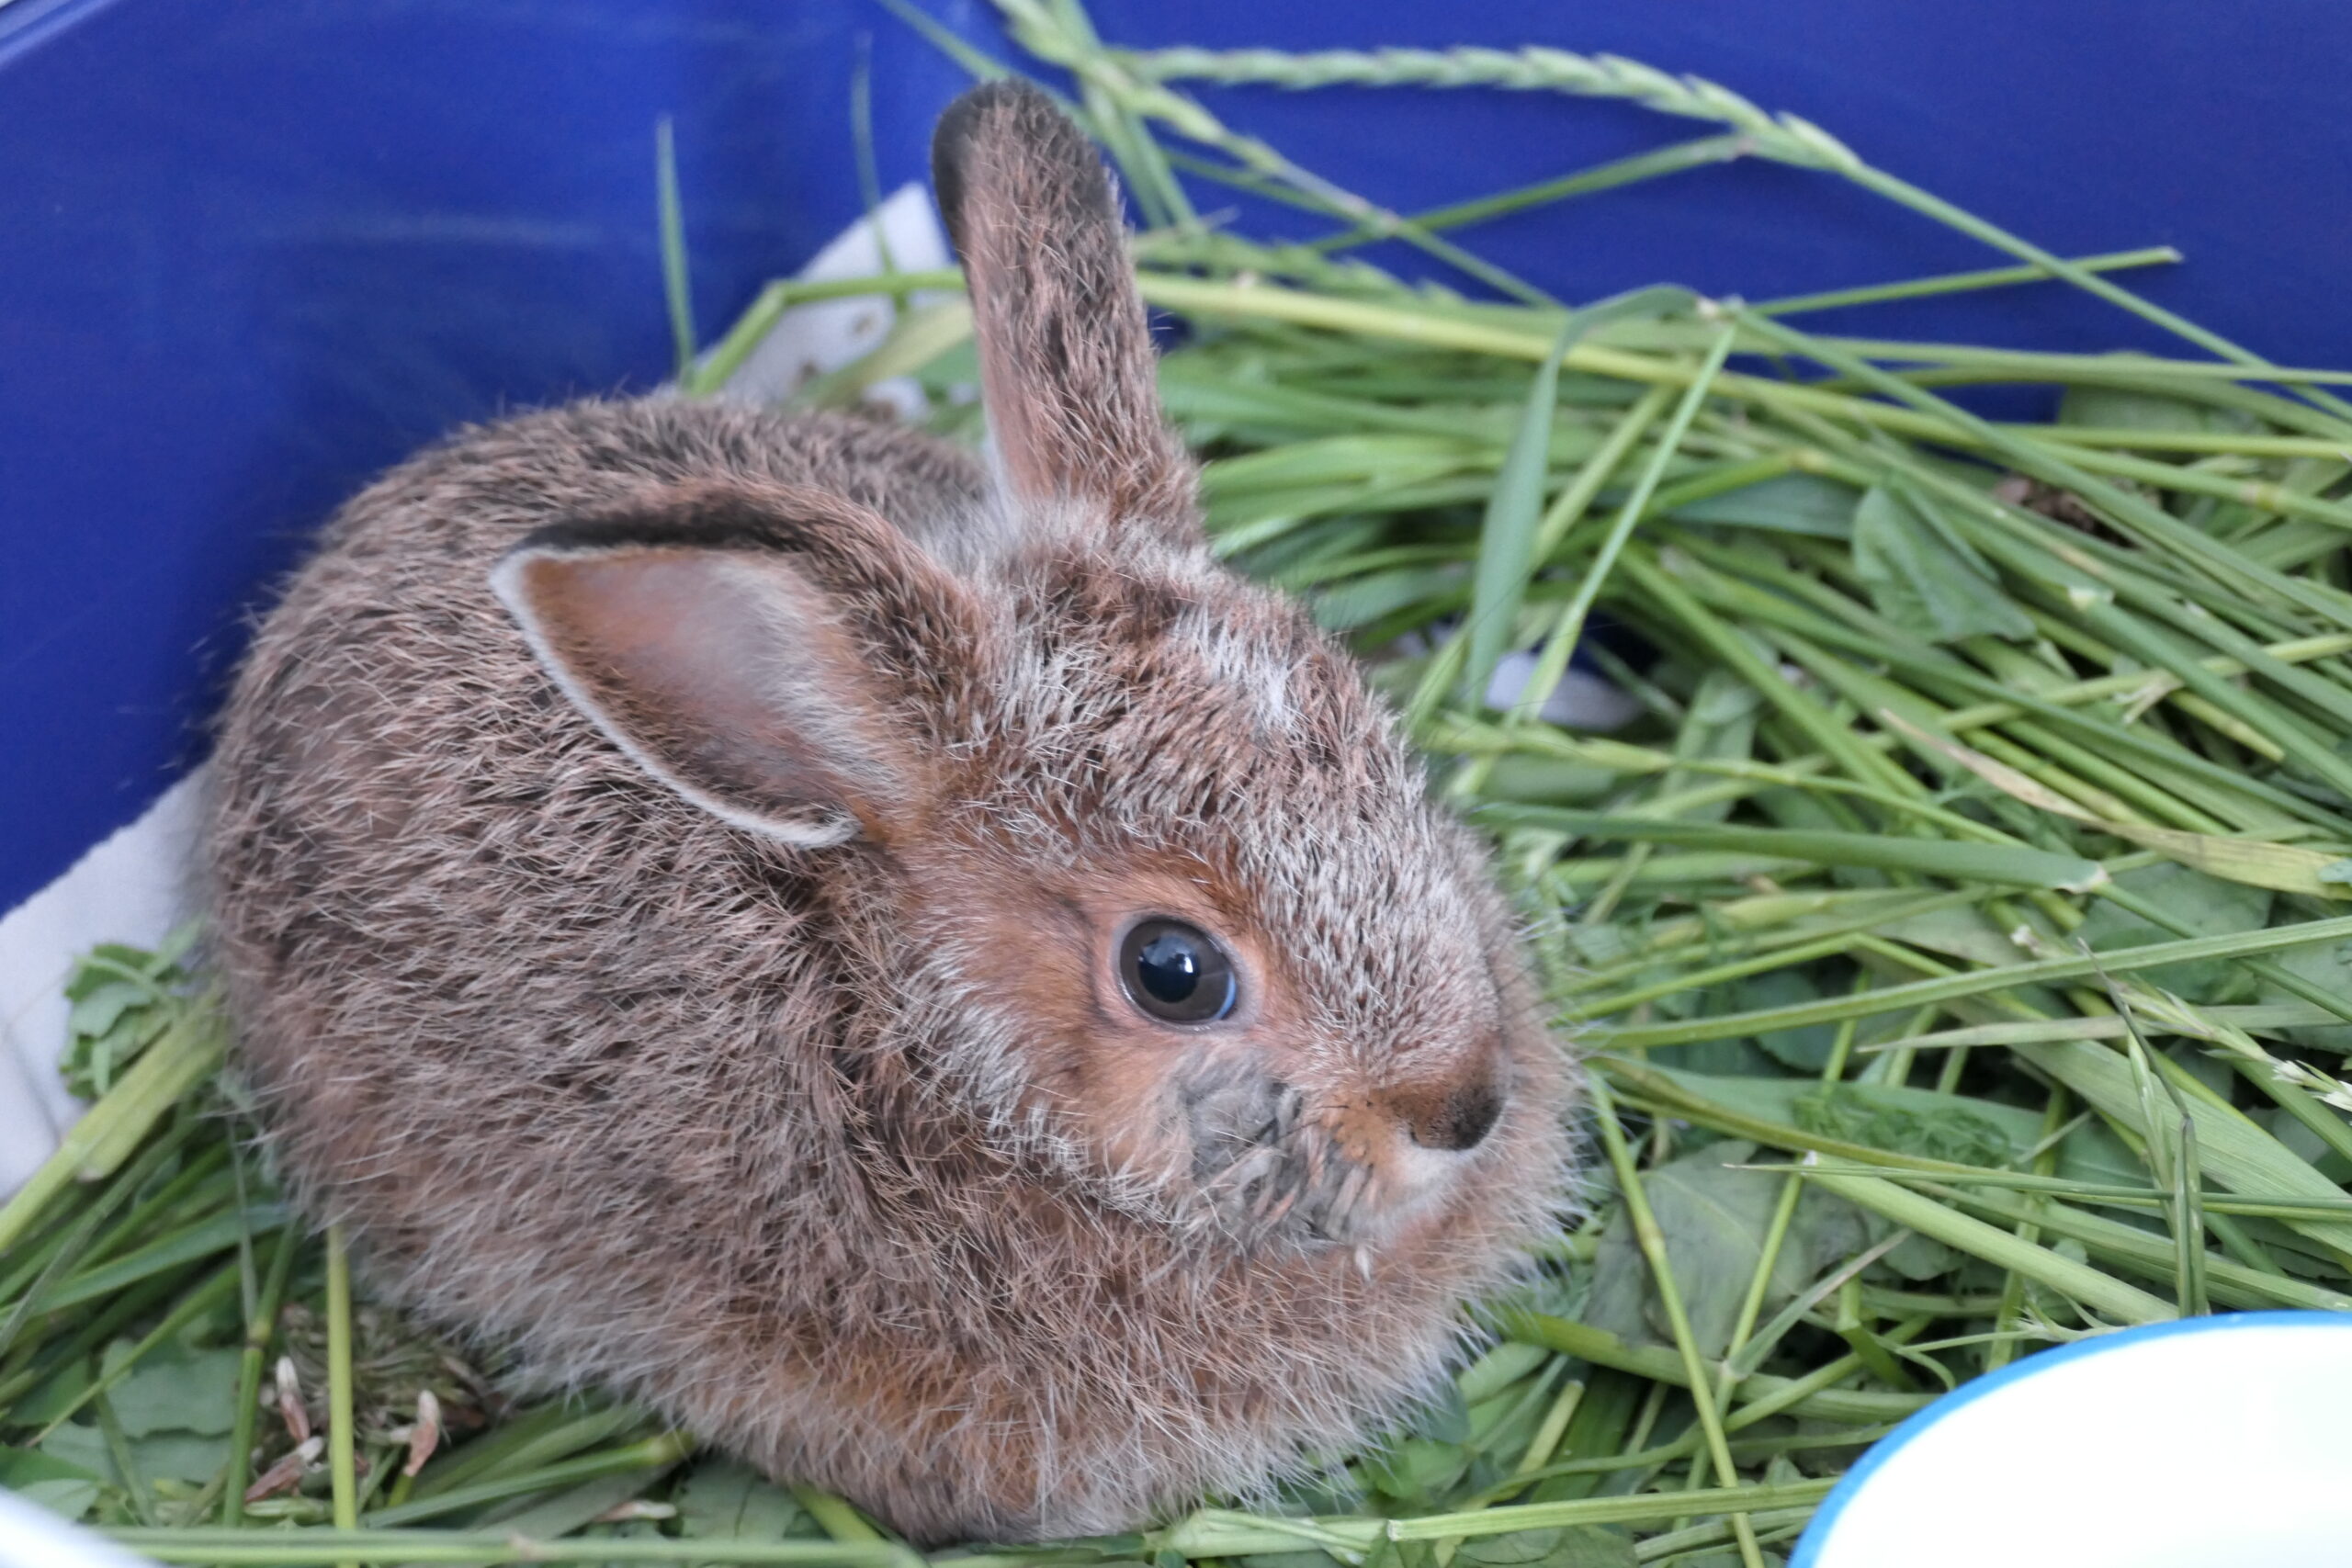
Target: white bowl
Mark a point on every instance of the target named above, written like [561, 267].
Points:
[32, 1536]
[2210, 1441]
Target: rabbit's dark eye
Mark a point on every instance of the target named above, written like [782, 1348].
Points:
[1174, 972]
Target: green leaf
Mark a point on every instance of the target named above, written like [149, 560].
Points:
[60, 1395]
[1914, 1258]
[175, 1389]
[1926, 578]
[162, 1456]
[1863, 1113]
[1414, 1470]
[99, 1010]
[2232, 1148]
[2118, 408]
[1446, 1417]
[1786, 503]
[58, 1485]
[2089, 1154]
[1494, 1375]
[727, 1499]
[1713, 1218]
[2326, 964]
[2205, 905]
[1962, 932]
[111, 961]
[1514, 512]
[1738, 1060]
[1515, 506]
[1719, 727]
[83, 1446]
[1359, 601]
[2093, 1151]
[1807, 1049]
[1547, 780]
[2304, 1143]
[1583, 1546]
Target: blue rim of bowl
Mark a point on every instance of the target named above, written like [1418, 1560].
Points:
[1825, 1519]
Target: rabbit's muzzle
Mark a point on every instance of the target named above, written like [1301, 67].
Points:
[1269, 1167]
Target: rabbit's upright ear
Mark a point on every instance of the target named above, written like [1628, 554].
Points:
[1067, 370]
[770, 657]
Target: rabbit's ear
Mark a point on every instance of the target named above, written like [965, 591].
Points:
[1067, 370]
[758, 655]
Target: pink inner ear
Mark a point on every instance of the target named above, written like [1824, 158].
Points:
[662, 630]
[722, 672]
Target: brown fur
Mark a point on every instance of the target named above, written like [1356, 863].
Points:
[1069, 384]
[853, 1157]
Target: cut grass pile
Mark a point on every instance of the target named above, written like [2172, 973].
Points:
[1957, 932]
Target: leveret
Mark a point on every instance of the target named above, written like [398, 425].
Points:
[910, 969]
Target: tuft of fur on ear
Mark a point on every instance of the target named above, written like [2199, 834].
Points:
[1067, 368]
[767, 656]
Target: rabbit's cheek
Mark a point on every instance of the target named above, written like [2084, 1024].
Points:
[1076, 1059]
[1131, 1111]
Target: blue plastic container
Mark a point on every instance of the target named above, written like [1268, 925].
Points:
[251, 254]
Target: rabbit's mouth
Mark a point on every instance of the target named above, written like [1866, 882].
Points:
[1268, 1170]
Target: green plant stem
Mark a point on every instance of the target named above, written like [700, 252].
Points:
[179, 1198]
[1958, 282]
[298, 1547]
[1569, 627]
[140, 1496]
[1813, 1396]
[1944, 988]
[658, 1452]
[2006, 1317]
[1978, 1239]
[536, 1439]
[753, 327]
[2142, 1252]
[840, 1521]
[1653, 1245]
[32, 1279]
[1907, 195]
[261, 1327]
[342, 1416]
[1049, 35]
[1746, 1451]
[1698, 152]
[1219, 1534]
[166, 1253]
[1784, 137]
[1768, 1256]
[111, 1130]
[676, 284]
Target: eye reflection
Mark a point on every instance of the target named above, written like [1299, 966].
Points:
[1175, 973]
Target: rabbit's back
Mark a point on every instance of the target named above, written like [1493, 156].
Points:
[529, 1021]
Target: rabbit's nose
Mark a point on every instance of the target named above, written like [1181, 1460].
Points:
[1456, 1118]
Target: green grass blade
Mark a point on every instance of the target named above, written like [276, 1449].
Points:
[677, 287]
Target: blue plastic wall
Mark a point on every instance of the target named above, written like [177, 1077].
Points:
[252, 252]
